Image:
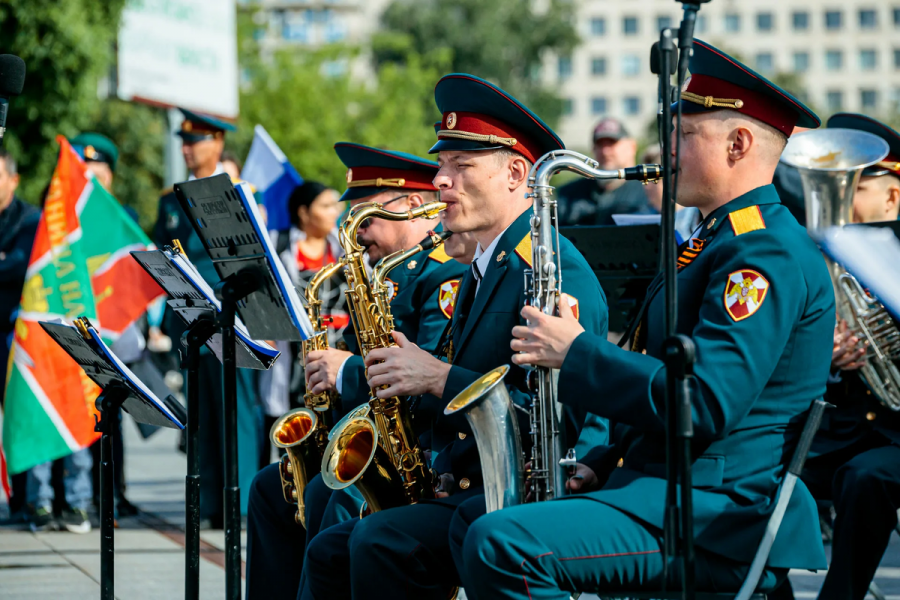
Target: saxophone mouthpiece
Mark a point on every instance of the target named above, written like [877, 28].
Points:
[429, 211]
[644, 173]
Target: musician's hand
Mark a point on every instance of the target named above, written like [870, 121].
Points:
[584, 480]
[846, 355]
[546, 340]
[322, 367]
[406, 369]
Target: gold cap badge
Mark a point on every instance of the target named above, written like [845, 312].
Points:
[451, 120]
[349, 175]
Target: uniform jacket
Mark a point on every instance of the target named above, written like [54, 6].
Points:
[755, 377]
[18, 226]
[481, 334]
[424, 287]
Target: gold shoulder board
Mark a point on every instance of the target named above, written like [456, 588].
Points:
[440, 255]
[524, 249]
[746, 220]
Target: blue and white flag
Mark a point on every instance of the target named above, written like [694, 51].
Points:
[268, 169]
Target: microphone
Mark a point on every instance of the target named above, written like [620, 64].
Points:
[12, 78]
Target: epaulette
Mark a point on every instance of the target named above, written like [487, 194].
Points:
[746, 220]
[524, 249]
[440, 255]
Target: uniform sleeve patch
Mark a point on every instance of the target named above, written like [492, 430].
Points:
[439, 254]
[573, 304]
[524, 249]
[746, 220]
[447, 294]
[745, 292]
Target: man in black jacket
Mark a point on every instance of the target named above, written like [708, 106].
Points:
[18, 224]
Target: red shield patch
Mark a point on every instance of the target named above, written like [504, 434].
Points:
[745, 292]
[573, 304]
[447, 296]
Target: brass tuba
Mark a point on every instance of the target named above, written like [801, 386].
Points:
[303, 432]
[379, 453]
[483, 401]
[831, 162]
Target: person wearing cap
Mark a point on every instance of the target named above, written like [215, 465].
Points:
[590, 202]
[100, 155]
[756, 299]
[487, 143]
[424, 294]
[203, 138]
[855, 458]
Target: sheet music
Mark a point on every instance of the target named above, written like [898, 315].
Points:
[103, 367]
[294, 305]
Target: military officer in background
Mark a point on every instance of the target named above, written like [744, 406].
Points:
[425, 288]
[203, 138]
[100, 154]
[756, 298]
[855, 458]
[486, 146]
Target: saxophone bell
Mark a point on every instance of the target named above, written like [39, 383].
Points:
[294, 433]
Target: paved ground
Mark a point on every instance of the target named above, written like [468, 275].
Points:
[149, 550]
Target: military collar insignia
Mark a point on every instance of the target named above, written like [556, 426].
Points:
[411, 264]
[501, 256]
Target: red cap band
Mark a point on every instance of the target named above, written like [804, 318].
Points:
[471, 126]
[408, 179]
[755, 104]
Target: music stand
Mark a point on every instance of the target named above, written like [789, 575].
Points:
[121, 388]
[255, 285]
[625, 261]
[195, 303]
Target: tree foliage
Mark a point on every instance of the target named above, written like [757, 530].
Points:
[502, 41]
[309, 99]
[67, 47]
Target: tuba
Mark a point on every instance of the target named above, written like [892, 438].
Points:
[303, 432]
[830, 162]
[486, 403]
[379, 453]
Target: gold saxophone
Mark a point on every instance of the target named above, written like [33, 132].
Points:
[303, 432]
[380, 452]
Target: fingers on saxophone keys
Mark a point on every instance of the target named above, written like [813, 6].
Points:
[376, 356]
[525, 358]
[379, 380]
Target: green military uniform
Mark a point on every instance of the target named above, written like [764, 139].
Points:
[756, 298]
[405, 551]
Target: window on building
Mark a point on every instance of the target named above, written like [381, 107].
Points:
[868, 19]
[564, 67]
[631, 65]
[835, 100]
[700, 26]
[868, 60]
[732, 23]
[630, 25]
[764, 62]
[897, 58]
[665, 23]
[765, 21]
[598, 26]
[800, 20]
[895, 99]
[801, 62]
[598, 105]
[868, 99]
[632, 105]
[568, 107]
[834, 60]
[832, 19]
[598, 66]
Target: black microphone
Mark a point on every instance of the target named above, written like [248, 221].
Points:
[12, 78]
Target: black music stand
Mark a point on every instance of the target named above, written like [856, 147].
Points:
[254, 284]
[625, 260]
[195, 303]
[120, 389]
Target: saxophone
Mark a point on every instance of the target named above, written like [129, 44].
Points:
[486, 403]
[303, 432]
[379, 453]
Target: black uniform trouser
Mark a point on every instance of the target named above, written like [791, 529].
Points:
[863, 482]
[275, 542]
